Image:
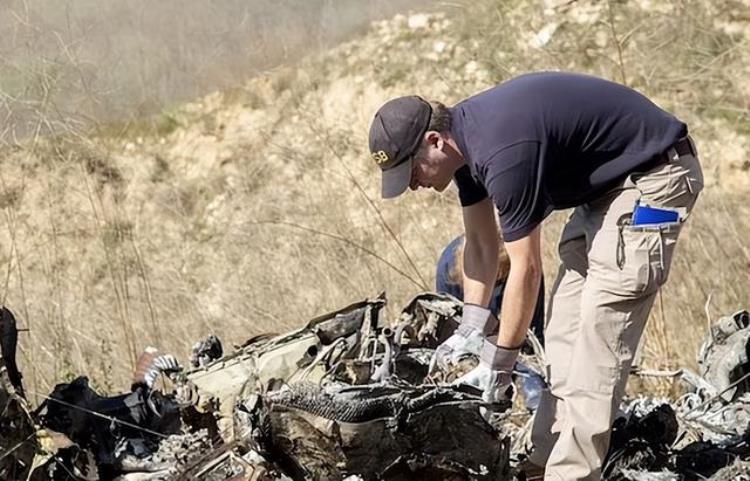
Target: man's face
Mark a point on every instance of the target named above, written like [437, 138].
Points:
[431, 167]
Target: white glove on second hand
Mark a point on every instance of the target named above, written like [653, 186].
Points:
[493, 374]
[468, 339]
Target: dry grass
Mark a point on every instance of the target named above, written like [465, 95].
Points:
[115, 62]
[255, 209]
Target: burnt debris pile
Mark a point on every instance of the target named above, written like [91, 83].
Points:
[704, 434]
[349, 397]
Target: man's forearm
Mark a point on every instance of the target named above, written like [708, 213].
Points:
[519, 300]
[480, 273]
[480, 252]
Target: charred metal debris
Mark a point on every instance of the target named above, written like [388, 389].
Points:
[349, 397]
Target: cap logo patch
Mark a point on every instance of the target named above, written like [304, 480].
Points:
[380, 157]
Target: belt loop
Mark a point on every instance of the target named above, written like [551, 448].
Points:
[672, 155]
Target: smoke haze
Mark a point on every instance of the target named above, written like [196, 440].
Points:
[74, 61]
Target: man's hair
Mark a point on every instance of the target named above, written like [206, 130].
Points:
[440, 121]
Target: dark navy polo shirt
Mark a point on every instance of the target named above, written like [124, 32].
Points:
[552, 140]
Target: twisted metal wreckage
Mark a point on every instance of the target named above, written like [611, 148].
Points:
[349, 397]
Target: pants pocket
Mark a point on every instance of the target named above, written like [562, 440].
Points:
[644, 257]
[675, 184]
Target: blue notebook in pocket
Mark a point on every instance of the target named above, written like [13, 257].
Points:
[647, 215]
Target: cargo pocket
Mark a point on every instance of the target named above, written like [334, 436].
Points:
[641, 259]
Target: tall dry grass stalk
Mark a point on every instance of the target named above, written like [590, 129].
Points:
[256, 209]
[659, 353]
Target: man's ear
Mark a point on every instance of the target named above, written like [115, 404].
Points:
[435, 139]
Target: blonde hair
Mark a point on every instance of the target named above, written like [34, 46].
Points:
[456, 273]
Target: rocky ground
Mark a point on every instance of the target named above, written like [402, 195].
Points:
[250, 209]
[351, 396]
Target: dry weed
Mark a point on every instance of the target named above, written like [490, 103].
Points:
[253, 211]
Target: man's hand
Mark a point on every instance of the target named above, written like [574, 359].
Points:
[454, 348]
[468, 339]
[493, 374]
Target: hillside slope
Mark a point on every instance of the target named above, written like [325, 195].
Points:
[254, 209]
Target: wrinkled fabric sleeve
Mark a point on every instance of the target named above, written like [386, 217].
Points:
[470, 190]
[513, 183]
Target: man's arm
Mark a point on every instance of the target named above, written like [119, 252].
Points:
[521, 288]
[480, 252]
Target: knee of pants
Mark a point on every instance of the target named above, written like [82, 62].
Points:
[607, 341]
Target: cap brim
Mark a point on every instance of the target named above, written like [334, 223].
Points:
[396, 180]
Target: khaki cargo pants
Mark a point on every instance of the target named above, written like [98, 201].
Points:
[609, 275]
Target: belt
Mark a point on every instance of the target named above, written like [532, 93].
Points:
[684, 146]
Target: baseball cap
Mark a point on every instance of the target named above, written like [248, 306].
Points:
[395, 135]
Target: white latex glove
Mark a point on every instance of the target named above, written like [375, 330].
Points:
[467, 340]
[493, 374]
[454, 348]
